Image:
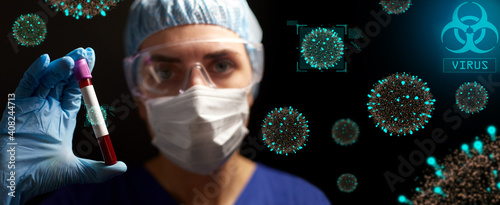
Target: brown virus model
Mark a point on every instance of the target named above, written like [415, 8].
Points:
[467, 176]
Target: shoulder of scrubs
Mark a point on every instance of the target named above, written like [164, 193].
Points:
[272, 186]
[136, 186]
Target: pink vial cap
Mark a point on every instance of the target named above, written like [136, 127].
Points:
[81, 70]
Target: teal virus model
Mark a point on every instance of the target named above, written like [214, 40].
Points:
[91, 115]
[469, 175]
[29, 30]
[83, 8]
[395, 6]
[471, 97]
[347, 183]
[345, 132]
[285, 130]
[400, 104]
[322, 48]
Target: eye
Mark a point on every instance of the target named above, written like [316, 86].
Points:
[223, 66]
[163, 72]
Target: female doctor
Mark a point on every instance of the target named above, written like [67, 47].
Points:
[192, 67]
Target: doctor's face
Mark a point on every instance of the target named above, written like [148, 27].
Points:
[180, 57]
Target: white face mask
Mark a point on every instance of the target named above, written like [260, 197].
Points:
[199, 129]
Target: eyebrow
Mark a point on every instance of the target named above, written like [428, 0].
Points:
[162, 58]
[213, 55]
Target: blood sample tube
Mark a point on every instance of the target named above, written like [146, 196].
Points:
[82, 75]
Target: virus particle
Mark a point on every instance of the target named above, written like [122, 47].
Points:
[92, 113]
[83, 8]
[29, 30]
[322, 48]
[345, 132]
[471, 97]
[400, 104]
[285, 130]
[395, 6]
[347, 183]
[468, 175]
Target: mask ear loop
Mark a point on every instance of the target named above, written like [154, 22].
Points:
[206, 77]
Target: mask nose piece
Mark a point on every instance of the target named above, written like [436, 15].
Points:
[197, 75]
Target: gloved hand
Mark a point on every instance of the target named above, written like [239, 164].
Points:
[47, 101]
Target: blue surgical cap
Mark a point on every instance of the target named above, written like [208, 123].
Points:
[147, 17]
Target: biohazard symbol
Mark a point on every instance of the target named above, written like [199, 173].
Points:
[481, 24]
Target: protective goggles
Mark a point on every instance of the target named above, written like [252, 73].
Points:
[170, 69]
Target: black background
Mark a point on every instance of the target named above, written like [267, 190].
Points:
[322, 97]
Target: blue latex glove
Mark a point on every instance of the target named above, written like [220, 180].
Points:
[47, 101]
